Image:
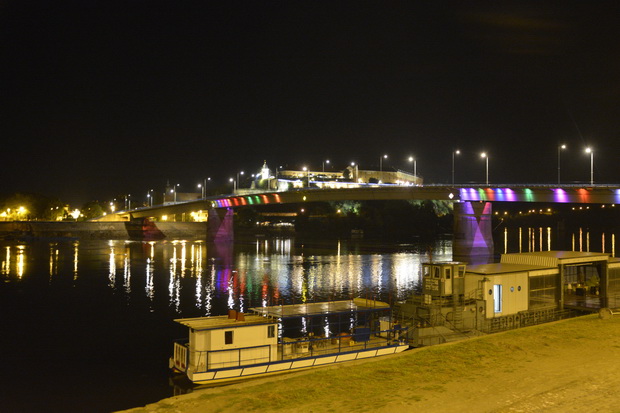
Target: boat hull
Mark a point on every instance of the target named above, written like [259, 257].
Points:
[233, 374]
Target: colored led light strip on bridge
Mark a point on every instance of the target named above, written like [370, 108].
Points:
[261, 199]
[560, 195]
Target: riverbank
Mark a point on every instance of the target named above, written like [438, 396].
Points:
[566, 366]
[64, 230]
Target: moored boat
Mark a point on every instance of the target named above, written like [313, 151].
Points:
[285, 338]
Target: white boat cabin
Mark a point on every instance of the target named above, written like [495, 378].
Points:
[226, 341]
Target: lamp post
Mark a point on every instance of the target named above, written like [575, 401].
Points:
[560, 148]
[239, 173]
[305, 169]
[149, 197]
[234, 184]
[415, 167]
[486, 157]
[381, 162]
[591, 152]
[325, 162]
[456, 152]
[203, 187]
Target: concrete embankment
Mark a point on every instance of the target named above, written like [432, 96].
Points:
[100, 230]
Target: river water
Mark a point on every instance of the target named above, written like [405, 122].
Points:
[88, 325]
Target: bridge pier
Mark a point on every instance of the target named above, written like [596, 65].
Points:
[220, 224]
[473, 231]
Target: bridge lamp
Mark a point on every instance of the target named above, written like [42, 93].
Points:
[325, 162]
[307, 171]
[381, 162]
[237, 181]
[486, 157]
[234, 183]
[415, 167]
[456, 152]
[591, 152]
[560, 148]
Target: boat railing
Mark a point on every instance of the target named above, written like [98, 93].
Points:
[289, 348]
[294, 348]
[180, 355]
[206, 360]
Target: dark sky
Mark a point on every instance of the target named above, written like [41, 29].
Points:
[101, 98]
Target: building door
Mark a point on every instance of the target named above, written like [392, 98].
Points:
[497, 298]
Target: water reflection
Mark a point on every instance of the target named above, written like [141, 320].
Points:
[528, 239]
[199, 278]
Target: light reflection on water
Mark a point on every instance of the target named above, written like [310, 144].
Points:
[223, 276]
[528, 239]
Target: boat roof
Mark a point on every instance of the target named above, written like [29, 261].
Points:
[222, 321]
[328, 307]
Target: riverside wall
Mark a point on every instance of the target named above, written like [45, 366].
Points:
[98, 230]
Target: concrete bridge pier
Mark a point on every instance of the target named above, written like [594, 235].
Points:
[220, 224]
[473, 232]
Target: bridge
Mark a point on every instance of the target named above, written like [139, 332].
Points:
[472, 205]
[578, 194]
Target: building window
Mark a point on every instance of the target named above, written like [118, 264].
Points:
[271, 331]
[228, 337]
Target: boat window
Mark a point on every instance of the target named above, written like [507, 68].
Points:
[448, 273]
[271, 331]
[228, 337]
[435, 272]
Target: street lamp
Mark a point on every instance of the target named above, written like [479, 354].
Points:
[174, 190]
[415, 168]
[381, 162]
[203, 187]
[305, 169]
[239, 173]
[559, 149]
[591, 152]
[486, 157]
[149, 197]
[325, 162]
[457, 152]
[234, 184]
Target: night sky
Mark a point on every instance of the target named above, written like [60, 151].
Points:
[101, 98]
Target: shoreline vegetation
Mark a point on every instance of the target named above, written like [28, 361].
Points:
[568, 365]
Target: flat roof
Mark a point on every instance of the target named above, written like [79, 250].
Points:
[332, 307]
[222, 321]
[503, 268]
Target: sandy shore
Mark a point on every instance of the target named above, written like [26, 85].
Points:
[567, 366]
